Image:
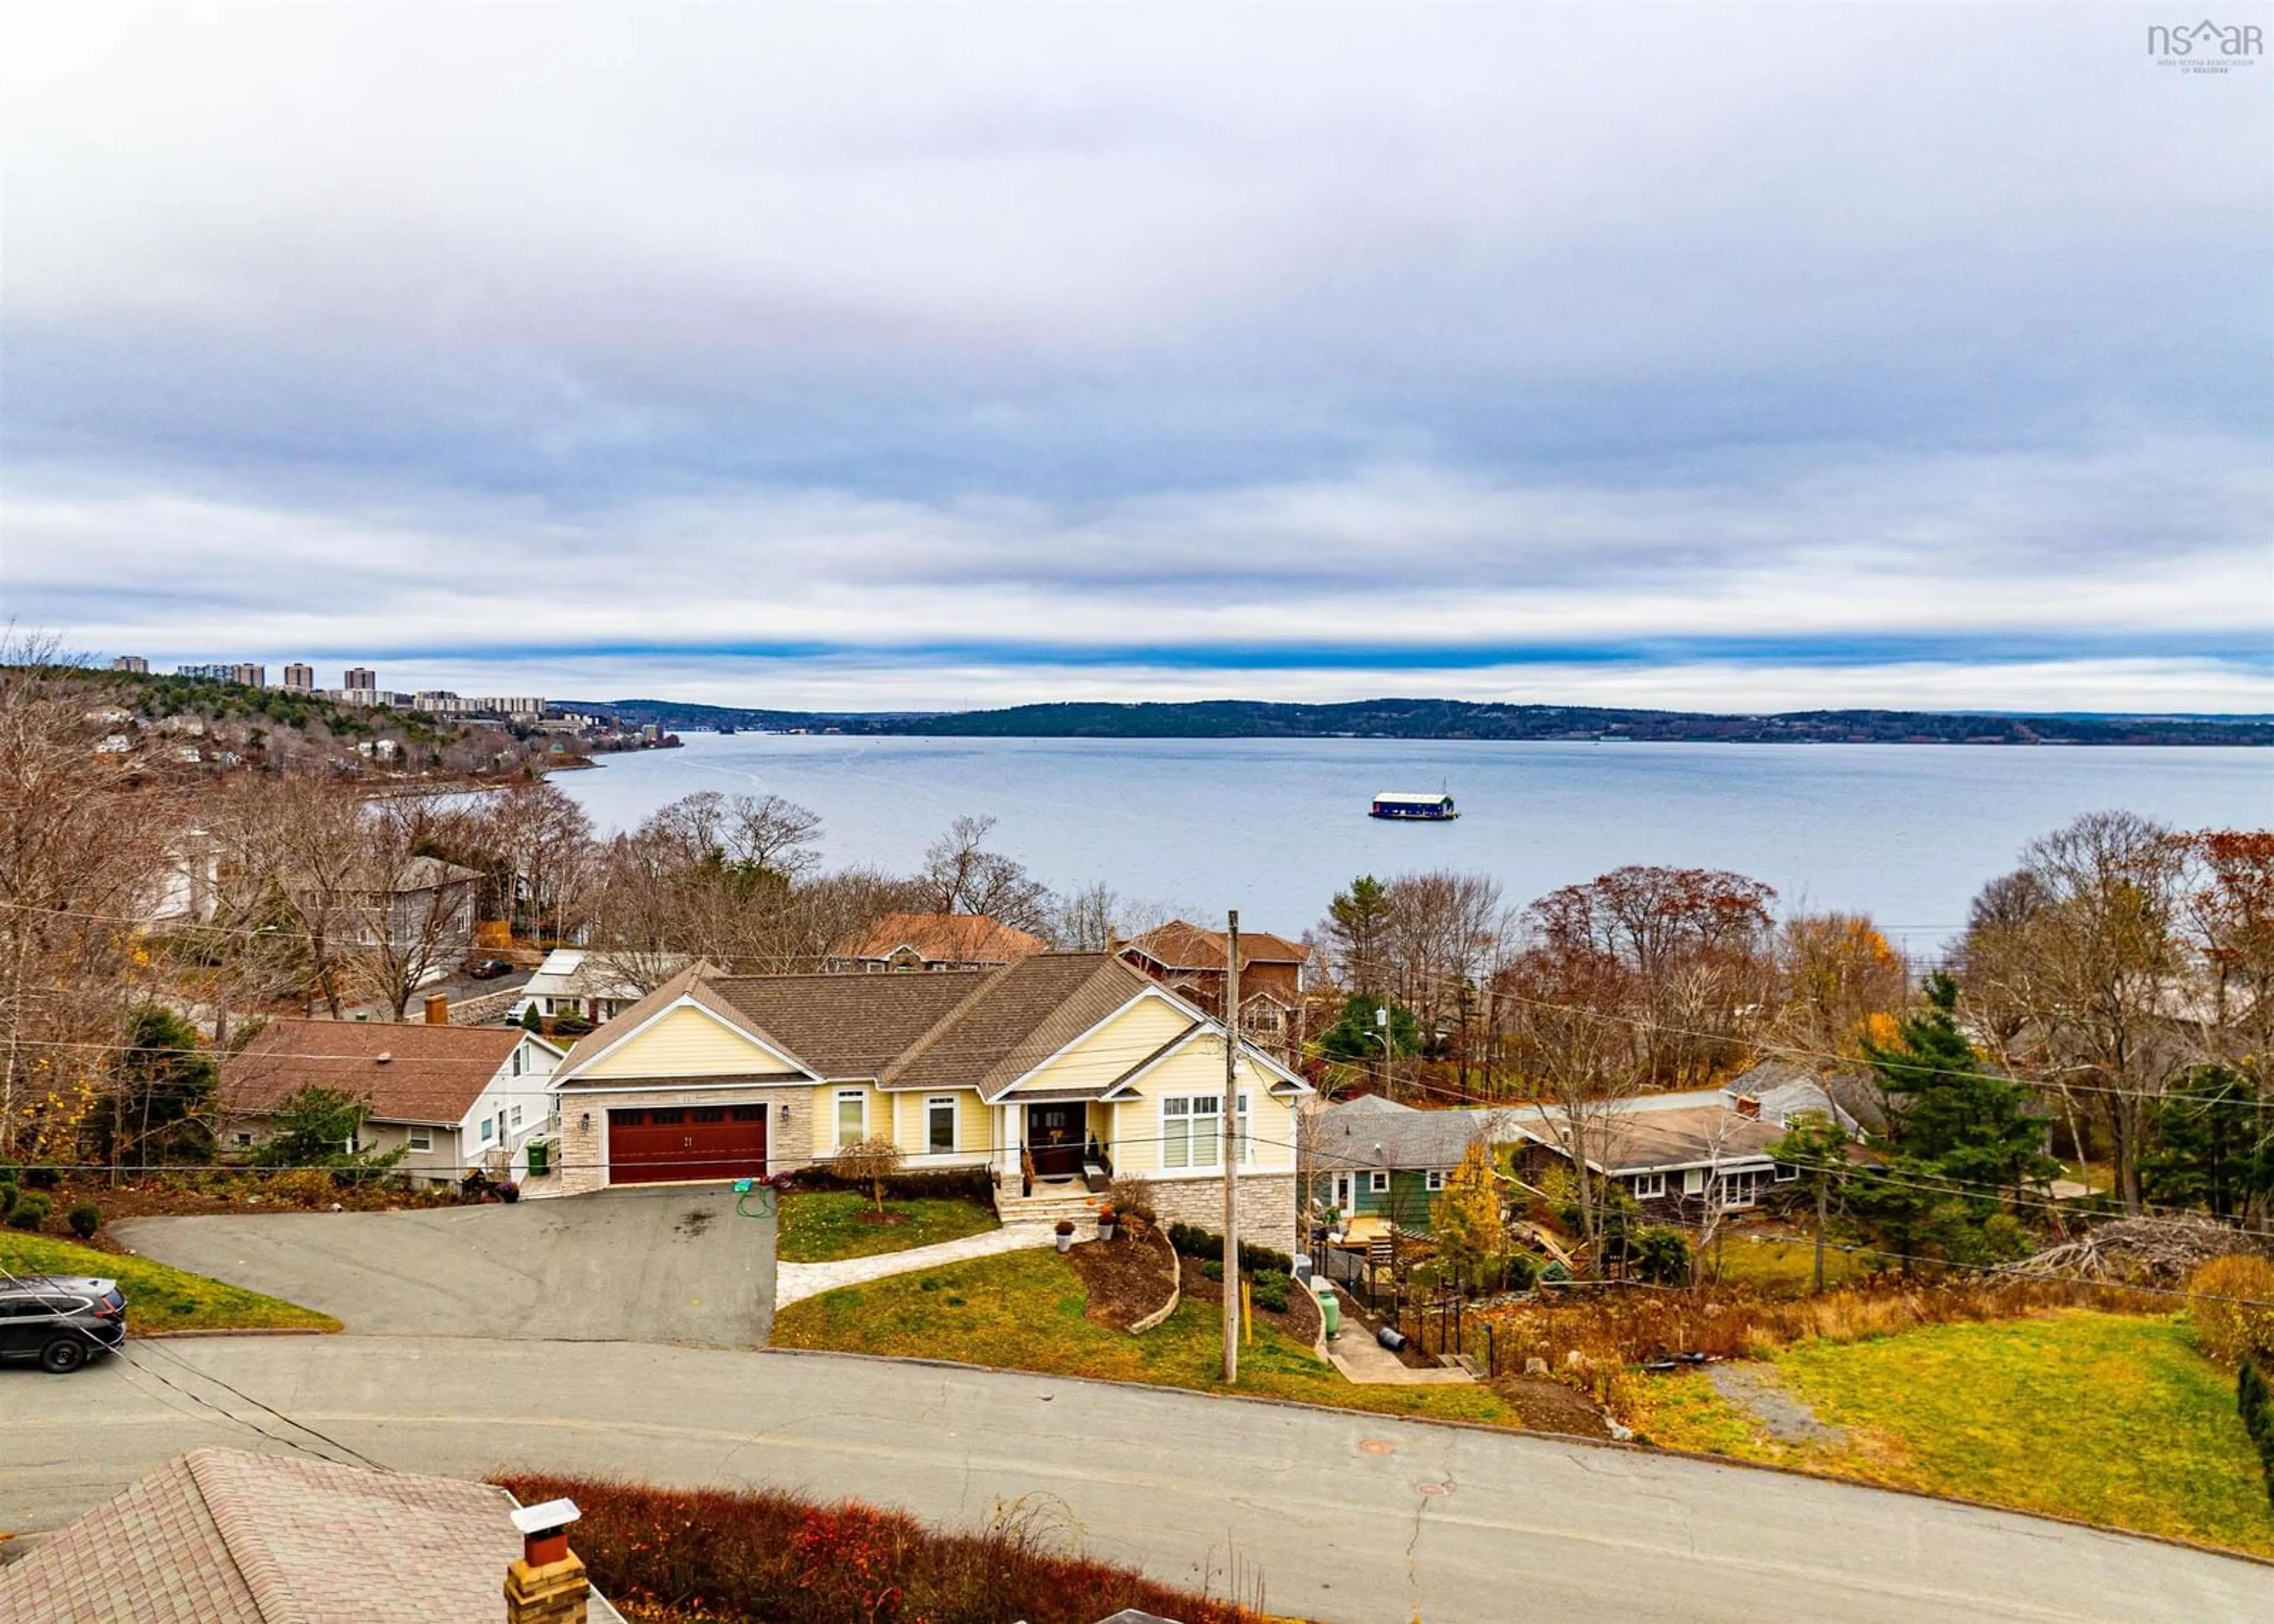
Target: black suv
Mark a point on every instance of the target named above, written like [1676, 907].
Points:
[62, 1321]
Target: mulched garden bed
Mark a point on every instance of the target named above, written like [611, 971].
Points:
[1128, 1278]
[1548, 1406]
[1300, 1322]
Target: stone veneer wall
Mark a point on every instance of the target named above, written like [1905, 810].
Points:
[788, 1144]
[1267, 1207]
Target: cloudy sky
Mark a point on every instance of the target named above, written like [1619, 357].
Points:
[1735, 356]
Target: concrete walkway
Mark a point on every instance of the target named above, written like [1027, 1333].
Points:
[794, 1281]
[1367, 1362]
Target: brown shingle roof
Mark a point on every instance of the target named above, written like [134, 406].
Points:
[1631, 1141]
[971, 1028]
[944, 938]
[406, 1070]
[228, 1536]
[1180, 945]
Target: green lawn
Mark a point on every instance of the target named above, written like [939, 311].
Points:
[1024, 1310]
[2107, 1417]
[821, 1226]
[1782, 1266]
[159, 1298]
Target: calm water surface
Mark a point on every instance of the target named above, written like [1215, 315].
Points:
[1274, 828]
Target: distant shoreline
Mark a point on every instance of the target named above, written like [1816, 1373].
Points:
[1447, 720]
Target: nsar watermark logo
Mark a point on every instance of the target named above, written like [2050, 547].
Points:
[2207, 47]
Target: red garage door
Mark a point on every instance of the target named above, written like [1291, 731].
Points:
[686, 1141]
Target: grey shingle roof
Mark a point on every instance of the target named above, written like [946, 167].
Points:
[1370, 1132]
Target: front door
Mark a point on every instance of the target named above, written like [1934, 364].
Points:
[1343, 1194]
[1054, 1140]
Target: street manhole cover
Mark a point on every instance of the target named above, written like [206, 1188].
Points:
[1375, 1445]
[1432, 1490]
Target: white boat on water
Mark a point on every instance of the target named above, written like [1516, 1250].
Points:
[1403, 806]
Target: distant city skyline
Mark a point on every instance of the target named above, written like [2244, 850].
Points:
[1717, 357]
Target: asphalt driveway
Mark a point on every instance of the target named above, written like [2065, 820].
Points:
[631, 1266]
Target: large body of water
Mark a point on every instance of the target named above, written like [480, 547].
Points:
[1274, 828]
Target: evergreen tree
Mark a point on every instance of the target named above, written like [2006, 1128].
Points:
[1946, 1112]
[1355, 1036]
[1359, 922]
[2215, 1148]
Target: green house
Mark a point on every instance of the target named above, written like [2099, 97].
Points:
[1374, 1158]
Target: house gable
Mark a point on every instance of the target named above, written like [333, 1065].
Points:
[1101, 1056]
[688, 1039]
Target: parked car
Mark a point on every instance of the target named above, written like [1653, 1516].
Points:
[61, 1321]
[488, 969]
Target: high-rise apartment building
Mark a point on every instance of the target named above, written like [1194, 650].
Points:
[134, 662]
[359, 679]
[299, 679]
[249, 674]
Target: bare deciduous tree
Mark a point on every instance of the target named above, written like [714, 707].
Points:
[961, 875]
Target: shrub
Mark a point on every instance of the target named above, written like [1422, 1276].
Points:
[303, 1187]
[7, 1199]
[570, 1025]
[1661, 1255]
[1196, 1243]
[1268, 1289]
[1132, 1199]
[1256, 1259]
[2257, 1407]
[1212, 1269]
[43, 1178]
[29, 1213]
[2228, 1303]
[85, 1218]
[765, 1554]
[1522, 1271]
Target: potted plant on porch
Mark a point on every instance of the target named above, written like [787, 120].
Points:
[1065, 1233]
[1106, 1222]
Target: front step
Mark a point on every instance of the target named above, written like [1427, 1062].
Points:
[1073, 1202]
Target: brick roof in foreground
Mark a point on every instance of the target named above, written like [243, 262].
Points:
[408, 1070]
[228, 1536]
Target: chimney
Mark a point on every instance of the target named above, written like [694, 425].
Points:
[1749, 1107]
[546, 1584]
[438, 1009]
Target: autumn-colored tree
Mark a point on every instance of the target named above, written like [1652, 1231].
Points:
[1465, 1217]
[872, 1161]
[1836, 973]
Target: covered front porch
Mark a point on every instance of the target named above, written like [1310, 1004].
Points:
[1054, 1145]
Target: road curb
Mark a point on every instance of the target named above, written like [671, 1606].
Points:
[1654, 1450]
[250, 1330]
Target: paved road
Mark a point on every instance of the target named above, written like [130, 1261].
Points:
[659, 1265]
[1347, 1517]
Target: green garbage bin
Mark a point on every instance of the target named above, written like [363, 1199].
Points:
[541, 1158]
[1330, 1310]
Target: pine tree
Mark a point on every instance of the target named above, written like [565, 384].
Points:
[1946, 1112]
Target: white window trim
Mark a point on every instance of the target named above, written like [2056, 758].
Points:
[837, 1115]
[954, 1124]
[1190, 1145]
[420, 1139]
[489, 1128]
[1648, 1186]
[1435, 1180]
[1377, 1184]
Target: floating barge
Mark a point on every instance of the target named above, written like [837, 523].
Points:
[1399, 807]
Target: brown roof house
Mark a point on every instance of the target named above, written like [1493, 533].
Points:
[458, 1098]
[1191, 962]
[935, 941]
[1056, 1073]
[1681, 1163]
[229, 1536]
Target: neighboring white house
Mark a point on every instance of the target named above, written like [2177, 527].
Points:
[459, 1097]
[575, 980]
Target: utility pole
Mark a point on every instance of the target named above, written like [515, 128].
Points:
[1231, 1148]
